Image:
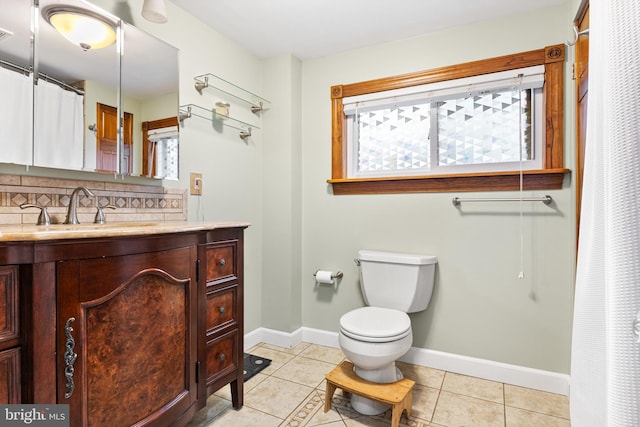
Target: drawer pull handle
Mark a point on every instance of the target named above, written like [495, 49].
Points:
[221, 310]
[222, 262]
[69, 357]
[221, 357]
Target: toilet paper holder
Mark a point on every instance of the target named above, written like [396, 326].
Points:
[336, 275]
[328, 277]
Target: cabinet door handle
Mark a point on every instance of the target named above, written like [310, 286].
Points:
[222, 261]
[221, 357]
[69, 357]
[221, 310]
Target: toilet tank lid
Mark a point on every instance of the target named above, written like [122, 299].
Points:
[396, 258]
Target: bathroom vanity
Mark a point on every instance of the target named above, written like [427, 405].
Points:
[129, 324]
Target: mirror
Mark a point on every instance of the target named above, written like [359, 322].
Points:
[150, 95]
[78, 93]
[16, 102]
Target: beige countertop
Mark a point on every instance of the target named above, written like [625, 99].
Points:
[28, 232]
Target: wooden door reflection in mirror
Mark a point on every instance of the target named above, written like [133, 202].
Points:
[107, 137]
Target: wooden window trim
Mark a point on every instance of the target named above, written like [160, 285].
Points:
[548, 178]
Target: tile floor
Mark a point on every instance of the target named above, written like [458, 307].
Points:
[290, 392]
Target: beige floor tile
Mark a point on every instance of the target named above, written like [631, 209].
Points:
[331, 418]
[252, 349]
[278, 358]
[304, 371]
[333, 424]
[225, 392]
[474, 387]
[324, 354]
[361, 420]
[521, 418]
[537, 401]
[215, 406]
[458, 410]
[276, 396]
[293, 351]
[384, 420]
[290, 393]
[311, 413]
[422, 375]
[424, 401]
[245, 417]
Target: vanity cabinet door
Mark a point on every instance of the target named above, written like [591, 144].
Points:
[10, 376]
[127, 338]
[10, 390]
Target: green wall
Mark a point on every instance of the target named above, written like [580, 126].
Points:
[479, 307]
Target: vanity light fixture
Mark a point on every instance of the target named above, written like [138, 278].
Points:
[154, 11]
[81, 27]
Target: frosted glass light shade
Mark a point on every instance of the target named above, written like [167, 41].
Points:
[84, 30]
[154, 11]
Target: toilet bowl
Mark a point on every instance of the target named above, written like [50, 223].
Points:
[375, 336]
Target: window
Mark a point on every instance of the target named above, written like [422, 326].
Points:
[473, 124]
[160, 148]
[460, 128]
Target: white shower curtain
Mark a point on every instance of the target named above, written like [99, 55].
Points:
[605, 361]
[15, 117]
[59, 135]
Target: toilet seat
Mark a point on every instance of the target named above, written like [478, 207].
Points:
[375, 324]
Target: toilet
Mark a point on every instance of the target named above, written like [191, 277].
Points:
[375, 336]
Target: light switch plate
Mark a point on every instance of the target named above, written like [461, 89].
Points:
[196, 184]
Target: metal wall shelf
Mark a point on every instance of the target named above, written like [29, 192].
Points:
[256, 102]
[191, 110]
[211, 81]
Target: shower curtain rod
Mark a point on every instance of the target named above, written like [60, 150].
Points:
[546, 200]
[42, 75]
[62, 84]
[15, 66]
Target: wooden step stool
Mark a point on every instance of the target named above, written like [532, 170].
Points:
[397, 395]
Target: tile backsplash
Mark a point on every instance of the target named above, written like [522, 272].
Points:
[133, 202]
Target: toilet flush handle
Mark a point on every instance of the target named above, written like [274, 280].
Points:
[357, 261]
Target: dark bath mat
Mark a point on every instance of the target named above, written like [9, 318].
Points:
[253, 365]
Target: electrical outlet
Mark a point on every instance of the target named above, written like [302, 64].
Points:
[196, 184]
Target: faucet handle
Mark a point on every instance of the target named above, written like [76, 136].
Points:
[100, 217]
[43, 218]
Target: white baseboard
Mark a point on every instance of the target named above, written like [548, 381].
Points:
[537, 379]
[522, 376]
[274, 337]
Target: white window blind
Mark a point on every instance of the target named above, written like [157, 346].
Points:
[490, 122]
[522, 78]
[163, 133]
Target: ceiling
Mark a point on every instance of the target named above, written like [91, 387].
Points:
[315, 28]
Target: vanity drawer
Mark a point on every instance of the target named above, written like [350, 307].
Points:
[221, 261]
[222, 356]
[221, 307]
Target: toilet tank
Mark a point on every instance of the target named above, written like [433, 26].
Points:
[395, 280]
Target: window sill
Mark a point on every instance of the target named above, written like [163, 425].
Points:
[546, 179]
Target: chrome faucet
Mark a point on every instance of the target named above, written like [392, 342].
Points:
[72, 213]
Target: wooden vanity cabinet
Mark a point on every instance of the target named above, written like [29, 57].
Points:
[124, 329]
